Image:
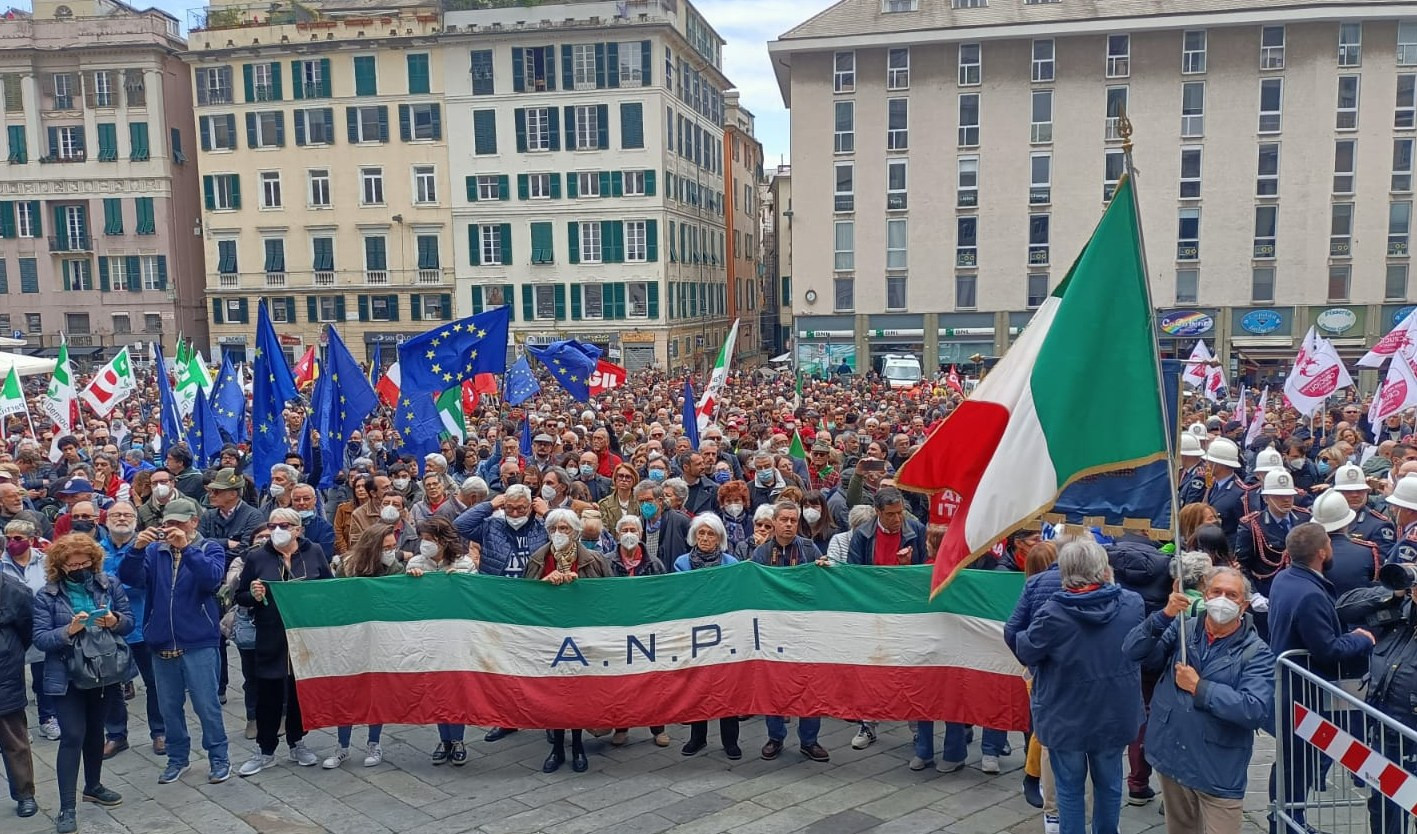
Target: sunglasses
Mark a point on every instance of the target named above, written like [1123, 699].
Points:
[18, 538]
[281, 525]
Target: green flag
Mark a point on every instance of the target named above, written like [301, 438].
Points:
[451, 413]
[796, 451]
[12, 397]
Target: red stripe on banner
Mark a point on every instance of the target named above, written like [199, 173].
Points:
[1354, 757]
[1324, 735]
[759, 687]
[1300, 713]
[1391, 779]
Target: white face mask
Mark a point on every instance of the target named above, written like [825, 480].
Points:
[389, 515]
[280, 538]
[388, 557]
[559, 541]
[548, 492]
[629, 541]
[1222, 610]
[812, 515]
[400, 484]
[428, 550]
[734, 510]
[516, 522]
[162, 492]
[1295, 463]
[277, 490]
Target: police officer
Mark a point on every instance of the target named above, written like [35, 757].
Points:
[1403, 500]
[1225, 491]
[1268, 460]
[1192, 477]
[1354, 564]
[1259, 545]
[1370, 525]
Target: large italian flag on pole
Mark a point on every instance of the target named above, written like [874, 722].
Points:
[850, 642]
[713, 391]
[1078, 394]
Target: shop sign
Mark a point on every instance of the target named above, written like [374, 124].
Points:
[1186, 323]
[232, 340]
[1402, 313]
[287, 339]
[1261, 322]
[637, 338]
[1336, 319]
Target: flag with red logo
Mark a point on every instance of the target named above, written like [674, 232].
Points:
[1318, 372]
[305, 370]
[607, 375]
[111, 386]
[1197, 372]
[1401, 339]
[952, 381]
[1398, 391]
[473, 389]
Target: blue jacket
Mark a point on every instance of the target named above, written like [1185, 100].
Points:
[1037, 589]
[496, 537]
[862, 550]
[137, 595]
[52, 613]
[1086, 693]
[801, 552]
[1302, 615]
[1204, 741]
[321, 532]
[182, 611]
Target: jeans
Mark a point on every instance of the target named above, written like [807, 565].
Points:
[955, 747]
[80, 713]
[117, 720]
[807, 729]
[194, 672]
[447, 732]
[276, 697]
[344, 733]
[1071, 770]
[42, 700]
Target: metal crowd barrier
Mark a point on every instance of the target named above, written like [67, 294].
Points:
[1344, 765]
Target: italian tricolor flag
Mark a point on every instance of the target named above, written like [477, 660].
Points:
[844, 641]
[1077, 394]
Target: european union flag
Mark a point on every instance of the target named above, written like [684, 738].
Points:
[571, 363]
[273, 387]
[229, 402]
[342, 399]
[417, 421]
[435, 361]
[205, 437]
[521, 383]
[691, 416]
[169, 418]
[525, 448]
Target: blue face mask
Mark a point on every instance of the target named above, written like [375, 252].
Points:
[764, 476]
[1323, 467]
[587, 470]
[648, 510]
[656, 475]
[722, 476]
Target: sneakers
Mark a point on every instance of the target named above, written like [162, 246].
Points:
[257, 763]
[458, 755]
[107, 797]
[1050, 824]
[302, 755]
[989, 764]
[66, 822]
[50, 729]
[917, 763]
[865, 737]
[251, 729]
[816, 753]
[1141, 797]
[441, 752]
[221, 771]
[661, 740]
[340, 757]
[172, 773]
[948, 767]
[375, 757]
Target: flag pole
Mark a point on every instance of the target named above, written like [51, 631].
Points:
[1124, 129]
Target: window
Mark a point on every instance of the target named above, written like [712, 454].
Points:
[214, 85]
[1340, 237]
[481, 70]
[1114, 164]
[122, 324]
[964, 291]
[590, 245]
[1267, 178]
[312, 78]
[1406, 101]
[896, 292]
[844, 72]
[78, 274]
[484, 132]
[223, 191]
[1037, 289]
[425, 184]
[968, 120]
[845, 138]
[845, 199]
[1038, 239]
[319, 188]
[966, 241]
[371, 186]
[1040, 178]
[545, 297]
[366, 76]
[1262, 285]
[898, 69]
[65, 86]
[1407, 43]
[489, 187]
[844, 246]
[1193, 52]
[327, 308]
[636, 241]
[1266, 219]
[77, 323]
[1192, 109]
[368, 124]
[843, 293]
[1402, 165]
[1043, 62]
[1190, 173]
[1350, 44]
[967, 182]
[270, 189]
[1339, 278]
[33, 323]
[1347, 102]
[1345, 157]
[490, 244]
[1272, 48]
[538, 129]
[897, 124]
[968, 4]
[1399, 227]
[1395, 287]
[892, 6]
[420, 122]
[1041, 131]
[588, 184]
[1271, 105]
[971, 69]
[1119, 56]
[634, 183]
[275, 259]
[152, 322]
[639, 293]
[218, 132]
[896, 184]
[587, 133]
[583, 65]
[315, 126]
[1188, 235]
[897, 243]
[538, 70]
[376, 257]
[67, 143]
[1187, 285]
[631, 55]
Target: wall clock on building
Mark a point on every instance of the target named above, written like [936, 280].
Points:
[811, 296]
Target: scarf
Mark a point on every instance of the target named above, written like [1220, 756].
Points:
[699, 559]
[632, 562]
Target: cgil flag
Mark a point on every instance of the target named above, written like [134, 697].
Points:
[1012, 447]
[862, 644]
[1398, 391]
[718, 378]
[607, 375]
[1318, 372]
[1197, 370]
[112, 385]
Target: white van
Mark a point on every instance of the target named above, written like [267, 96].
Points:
[901, 371]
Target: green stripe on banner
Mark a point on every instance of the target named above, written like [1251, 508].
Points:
[987, 595]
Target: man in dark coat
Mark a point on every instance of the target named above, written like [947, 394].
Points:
[16, 634]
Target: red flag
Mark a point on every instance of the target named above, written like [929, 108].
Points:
[485, 383]
[305, 368]
[952, 381]
[606, 376]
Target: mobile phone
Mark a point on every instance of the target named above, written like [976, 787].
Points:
[94, 617]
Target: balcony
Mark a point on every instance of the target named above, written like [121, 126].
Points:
[228, 281]
[1397, 248]
[275, 280]
[70, 243]
[430, 277]
[1264, 250]
[1339, 247]
[376, 278]
[325, 278]
[1188, 250]
[1038, 256]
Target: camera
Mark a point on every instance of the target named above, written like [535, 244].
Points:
[1398, 576]
[161, 534]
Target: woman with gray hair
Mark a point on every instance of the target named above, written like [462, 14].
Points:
[762, 531]
[628, 558]
[1195, 565]
[676, 492]
[707, 540]
[861, 515]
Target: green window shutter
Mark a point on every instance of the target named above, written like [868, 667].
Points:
[339, 308]
[476, 301]
[504, 190]
[276, 92]
[248, 76]
[617, 184]
[147, 221]
[528, 302]
[518, 70]
[53, 134]
[8, 227]
[520, 117]
[139, 150]
[290, 308]
[19, 145]
[605, 185]
[632, 124]
[548, 55]
[217, 309]
[351, 120]
[646, 64]
[600, 80]
[297, 81]
[405, 128]
[568, 71]
[134, 268]
[250, 130]
[363, 307]
[652, 240]
[555, 186]
[470, 183]
[620, 301]
[573, 185]
[523, 189]
[61, 230]
[324, 78]
[298, 117]
[204, 132]
[484, 132]
[612, 241]
[575, 302]
[245, 310]
[573, 242]
[383, 123]
[312, 308]
[652, 300]
[602, 126]
[208, 192]
[107, 142]
[235, 190]
[415, 302]
[649, 182]
[506, 239]
[560, 292]
[474, 245]
[102, 274]
[612, 64]
[447, 307]
[418, 75]
[112, 215]
[553, 120]
[542, 246]
[365, 81]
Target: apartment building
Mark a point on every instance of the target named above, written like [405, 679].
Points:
[776, 225]
[99, 229]
[743, 171]
[956, 154]
[589, 187]
[325, 186]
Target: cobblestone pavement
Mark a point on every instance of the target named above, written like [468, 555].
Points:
[635, 789]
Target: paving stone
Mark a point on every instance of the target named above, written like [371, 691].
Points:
[842, 822]
[695, 807]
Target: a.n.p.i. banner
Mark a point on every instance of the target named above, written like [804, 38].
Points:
[844, 641]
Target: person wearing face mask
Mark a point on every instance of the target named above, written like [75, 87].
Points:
[162, 491]
[441, 550]
[816, 522]
[588, 473]
[304, 501]
[374, 554]
[666, 533]
[401, 481]
[767, 482]
[24, 560]
[288, 556]
[283, 480]
[117, 544]
[1222, 692]
[732, 499]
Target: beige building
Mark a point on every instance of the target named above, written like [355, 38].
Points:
[776, 225]
[954, 156]
[98, 211]
[324, 168]
[743, 171]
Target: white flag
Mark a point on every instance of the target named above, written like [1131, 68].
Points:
[1401, 339]
[1198, 366]
[1242, 411]
[1318, 372]
[60, 395]
[1215, 383]
[713, 391]
[1397, 392]
[112, 385]
[1253, 433]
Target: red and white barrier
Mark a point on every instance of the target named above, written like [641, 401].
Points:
[1365, 762]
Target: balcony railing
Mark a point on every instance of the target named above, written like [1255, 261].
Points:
[70, 243]
[430, 276]
[329, 279]
[376, 277]
[325, 278]
[228, 280]
[275, 280]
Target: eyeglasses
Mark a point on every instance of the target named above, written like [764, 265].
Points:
[762, 524]
[18, 538]
[83, 517]
[281, 525]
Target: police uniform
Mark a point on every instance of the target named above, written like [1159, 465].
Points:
[1192, 484]
[1354, 564]
[1405, 548]
[1373, 526]
[1260, 545]
[1226, 497]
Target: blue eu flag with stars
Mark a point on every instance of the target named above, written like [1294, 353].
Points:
[272, 388]
[343, 398]
[169, 417]
[229, 402]
[571, 363]
[521, 383]
[418, 423]
[437, 360]
[205, 436]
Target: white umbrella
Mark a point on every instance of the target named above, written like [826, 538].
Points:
[25, 365]
[786, 357]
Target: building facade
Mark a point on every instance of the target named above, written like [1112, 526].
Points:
[99, 237]
[957, 155]
[589, 187]
[777, 265]
[325, 186]
[743, 172]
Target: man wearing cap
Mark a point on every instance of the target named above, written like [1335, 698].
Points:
[74, 491]
[230, 520]
[1266, 461]
[1259, 544]
[187, 480]
[1225, 492]
[181, 571]
[1403, 500]
[1354, 564]
[1192, 476]
[1369, 524]
[541, 449]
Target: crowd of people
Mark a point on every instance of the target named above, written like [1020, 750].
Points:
[114, 542]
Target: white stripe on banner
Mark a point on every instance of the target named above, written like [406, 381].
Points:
[422, 646]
